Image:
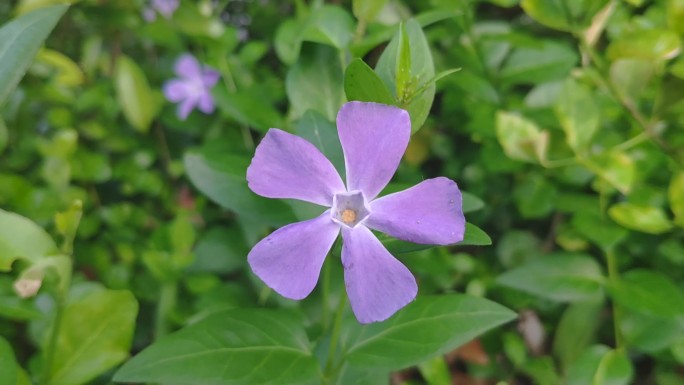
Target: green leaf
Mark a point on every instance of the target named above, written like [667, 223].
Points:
[576, 330]
[20, 40]
[428, 327]
[652, 44]
[221, 176]
[363, 84]
[351, 375]
[367, 10]
[315, 82]
[317, 129]
[676, 196]
[474, 236]
[562, 14]
[471, 202]
[598, 229]
[545, 61]
[558, 277]
[649, 292]
[421, 70]
[21, 238]
[616, 168]
[599, 365]
[647, 219]
[535, 197]
[520, 138]
[246, 346]
[630, 77]
[221, 250]
[578, 114]
[134, 94]
[95, 335]
[9, 369]
[435, 371]
[246, 108]
[647, 333]
[330, 25]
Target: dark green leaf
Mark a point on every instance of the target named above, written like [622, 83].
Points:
[9, 370]
[600, 365]
[246, 346]
[20, 40]
[315, 82]
[558, 277]
[649, 292]
[576, 330]
[317, 129]
[362, 83]
[428, 327]
[221, 175]
[246, 108]
[543, 62]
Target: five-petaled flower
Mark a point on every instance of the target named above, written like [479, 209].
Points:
[374, 138]
[192, 88]
[165, 8]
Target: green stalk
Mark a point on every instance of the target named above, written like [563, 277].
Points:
[334, 339]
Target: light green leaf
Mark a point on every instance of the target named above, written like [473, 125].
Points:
[651, 44]
[676, 196]
[134, 94]
[20, 40]
[578, 114]
[558, 277]
[367, 10]
[576, 330]
[220, 175]
[631, 76]
[426, 328]
[649, 292]
[520, 138]
[330, 25]
[68, 73]
[95, 335]
[421, 71]
[616, 168]
[9, 370]
[647, 219]
[21, 238]
[315, 82]
[546, 61]
[246, 346]
[435, 371]
[363, 84]
[561, 14]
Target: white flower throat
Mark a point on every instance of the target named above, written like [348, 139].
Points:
[349, 209]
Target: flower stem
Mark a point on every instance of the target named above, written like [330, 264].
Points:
[54, 334]
[167, 301]
[334, 339]
[613, 278]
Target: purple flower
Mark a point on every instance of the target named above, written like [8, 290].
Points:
[374, 138]
[165, 7]
[192, 88]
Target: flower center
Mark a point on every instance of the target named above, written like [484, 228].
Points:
[348, 216]
[349, 209]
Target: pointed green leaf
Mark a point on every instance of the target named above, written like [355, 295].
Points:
[558, 277]
[428, 327]
[599, 365]
[521, 138]
[234, 347]
[578, 114]
[363, 84]
[649, 292]
[220, 175]
[134, 94]
[20, 40]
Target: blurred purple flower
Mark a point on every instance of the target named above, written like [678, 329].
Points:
[192, 88]
[164, 7]
[374, 138]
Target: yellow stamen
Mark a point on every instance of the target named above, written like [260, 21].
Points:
[348, 216]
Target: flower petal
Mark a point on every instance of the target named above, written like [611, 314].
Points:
[210, 77]
[185, 108]
[206, 103]
[377, 283]
[290, 259]
[175, 90]
[374, 137]
[188, 67]
[287, 166]
[429, 212]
